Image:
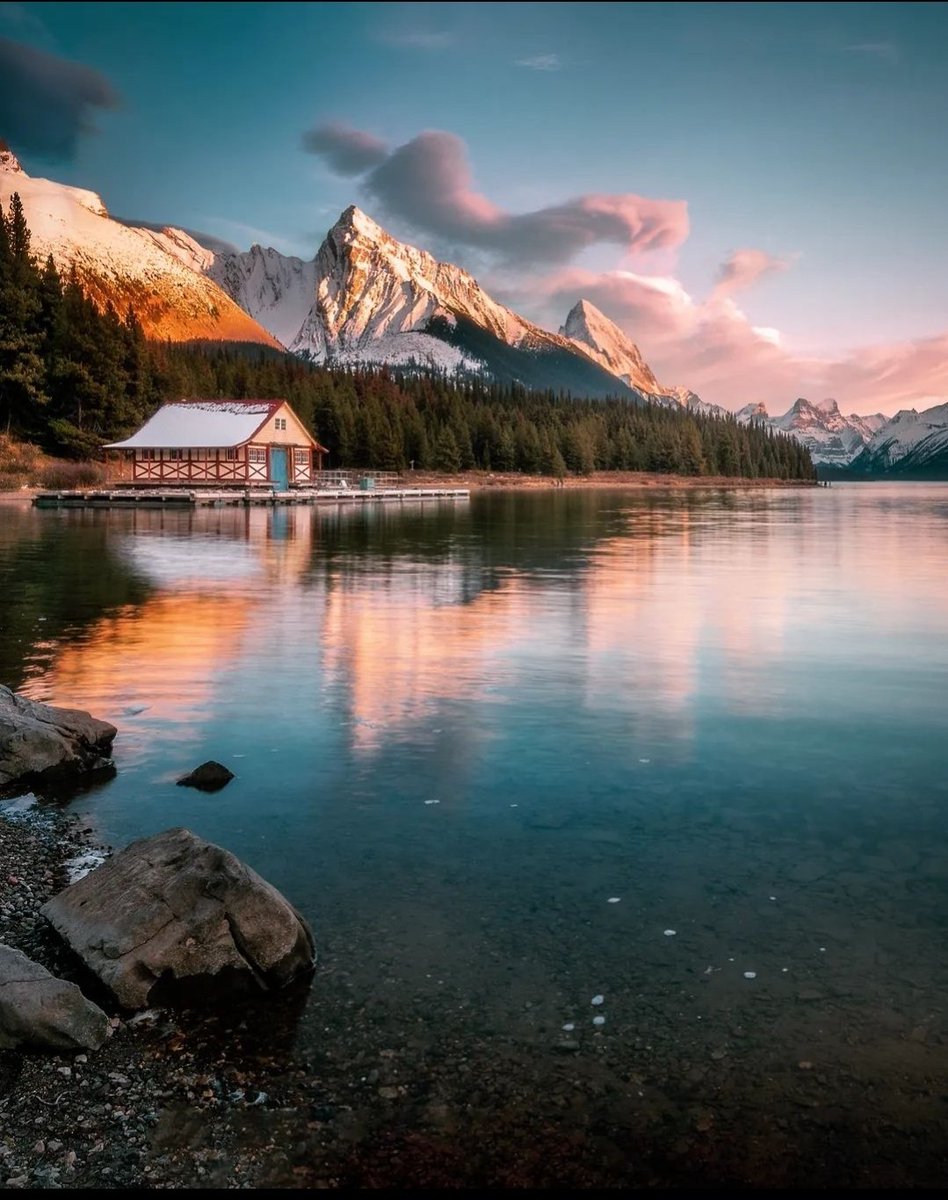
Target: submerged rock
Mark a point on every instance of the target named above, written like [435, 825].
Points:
[173, 909]
[209, 777]
[38, 741]
[39, 1010]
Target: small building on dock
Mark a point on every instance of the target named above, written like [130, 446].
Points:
[223, 442]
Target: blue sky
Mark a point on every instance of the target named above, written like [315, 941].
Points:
[813, 133]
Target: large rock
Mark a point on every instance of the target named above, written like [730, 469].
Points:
[39, 1010]
[175, 908]
[38, 741]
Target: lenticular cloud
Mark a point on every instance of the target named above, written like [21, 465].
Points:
[428, 183]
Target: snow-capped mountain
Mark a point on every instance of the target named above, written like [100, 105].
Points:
[159, 274]
[693, 402]
[603, 341]
[753, 412]
[911, 443]
[368, 298]
[831, 438]
[275, 288]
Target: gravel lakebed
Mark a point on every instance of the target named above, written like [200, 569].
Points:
[334, 1083]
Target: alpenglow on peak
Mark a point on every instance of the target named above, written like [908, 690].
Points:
[606, 344]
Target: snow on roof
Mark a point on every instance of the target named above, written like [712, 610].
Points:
[201, 423]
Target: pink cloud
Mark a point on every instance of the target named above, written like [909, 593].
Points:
[743, 268]
[428, 183]
[711, 347]
[708, 345]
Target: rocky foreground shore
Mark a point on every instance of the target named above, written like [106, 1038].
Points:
[145, 1109]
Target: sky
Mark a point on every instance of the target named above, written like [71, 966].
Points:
[755, 193]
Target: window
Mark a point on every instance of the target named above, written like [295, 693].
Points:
[230, 454]
[257, 455]
[301, 457]
[280, 423]
[176, 454]
[148, 455]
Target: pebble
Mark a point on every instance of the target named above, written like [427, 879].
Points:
[597, 1000]
[569, 1027]
[670, 932]
[805, 1065]
[750, 974]
[599, 1020]
[613, 899]
[432, 802]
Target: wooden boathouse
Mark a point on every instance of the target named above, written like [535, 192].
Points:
[222, 443]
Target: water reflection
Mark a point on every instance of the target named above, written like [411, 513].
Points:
[696, 602]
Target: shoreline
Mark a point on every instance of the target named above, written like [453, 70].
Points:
[479, 481]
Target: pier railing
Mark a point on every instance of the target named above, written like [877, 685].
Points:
[361, 480]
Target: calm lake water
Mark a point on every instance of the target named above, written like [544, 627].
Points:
[498, 751]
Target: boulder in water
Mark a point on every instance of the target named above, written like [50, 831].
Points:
[39, 742]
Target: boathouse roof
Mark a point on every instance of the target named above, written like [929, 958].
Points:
[202, 423]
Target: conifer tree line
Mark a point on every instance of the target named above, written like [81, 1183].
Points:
[73, 376]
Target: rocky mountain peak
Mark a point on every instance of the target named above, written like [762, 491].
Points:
[8, 160]
[603, 340]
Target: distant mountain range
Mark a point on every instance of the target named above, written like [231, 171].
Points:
[366, 298]
[910, 444]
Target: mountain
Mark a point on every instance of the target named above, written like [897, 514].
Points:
[693, 402]
[753, 412]
[275, 288]
[159, 273]
[604, 342]
[911, 444]
[368, 298]
[832, 439]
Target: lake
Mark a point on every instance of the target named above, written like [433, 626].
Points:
[682, 750]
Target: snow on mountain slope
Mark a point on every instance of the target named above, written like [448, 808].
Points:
[830, 437]
[158, 274]
[910, 441]
[753, 412]
[370, 286]
[276, 289]
[693, 402]
[368, 298]
[605, 342]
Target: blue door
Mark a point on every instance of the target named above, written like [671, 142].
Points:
[279, 470]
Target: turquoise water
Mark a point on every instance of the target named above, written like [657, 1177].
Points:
[495, 750]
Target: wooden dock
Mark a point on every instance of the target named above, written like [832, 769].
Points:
[137, 497]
